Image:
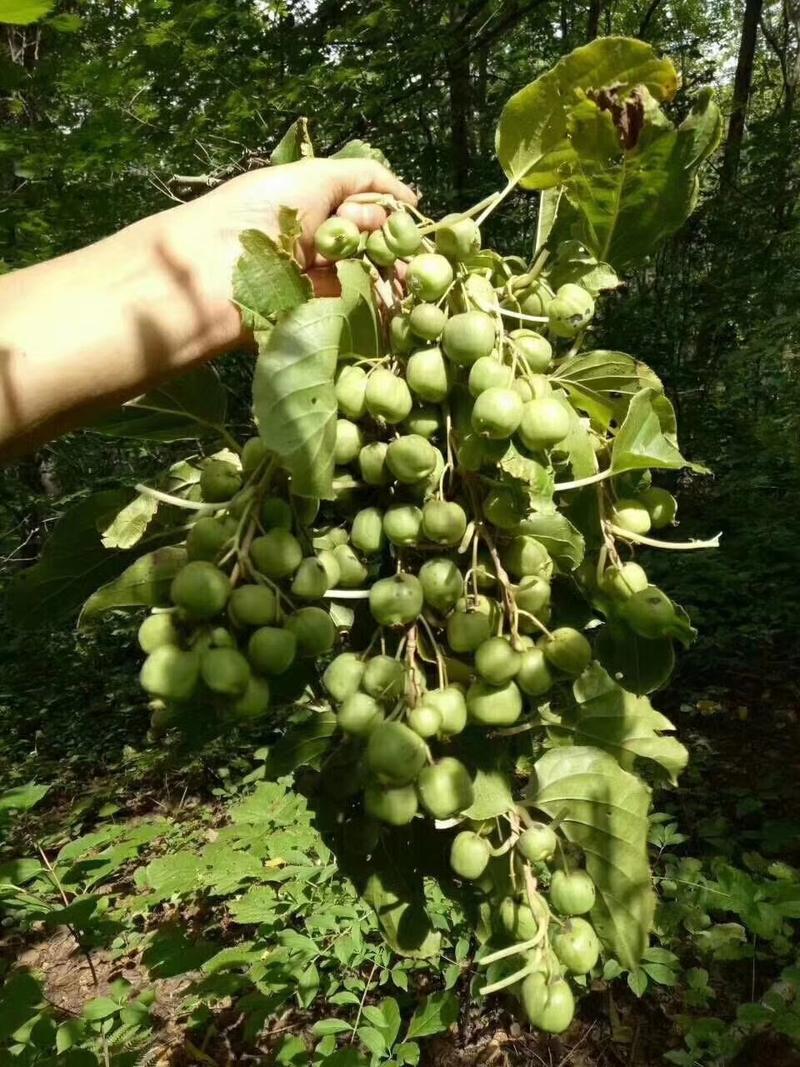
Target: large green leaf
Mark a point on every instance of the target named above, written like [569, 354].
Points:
[401, 912]
[602, 382]
[191, 406]
[266, 280]
[532, 137]
[303, 745]
[604, 811]
[358, 149]
[561, 539]
[640, 664]
[293, 396]
[646, 438]
[23, 12]
[144, 584]
[294, 145]
[74, 562]
[358, 298]
[575, 264]
[626, 200]
[626, 725]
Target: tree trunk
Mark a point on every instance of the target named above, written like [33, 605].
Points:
[460, 94]
[742, 85]
[593, 20]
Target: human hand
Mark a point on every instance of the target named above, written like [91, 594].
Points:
[200, 239]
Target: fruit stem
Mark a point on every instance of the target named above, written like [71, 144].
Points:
[675, 546]
[510, 979]
[509, 314]
[179, 501]
[535, 621]
[496, 200]
[511, 950]
[347, 594]
[474, 210]
[579, 483]
[440, 664]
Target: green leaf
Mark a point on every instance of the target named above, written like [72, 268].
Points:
[177, 874]
[293, 395]
[266, 280]
[22, 797]
[532, 137]
[602, 383]
[646, 438]
[574, 263]
[330, 1026]
[358, 298]
[145, 583]
[401, 913]
[129, 525]
[625, 201]
[67, 22]
[623, 724]
[549, 200]
[492, 794]
[604, 811]
[303, 745]
[436, 1013]
[561, 539]
[100, 1008]
[23, 12]
[358, 149]
[639, 664]
[386, 1018]
[373, 1039]
[536, 480]
[294, 145]
[637, 982]
[258, 905]
[22, 995]
[188, 407]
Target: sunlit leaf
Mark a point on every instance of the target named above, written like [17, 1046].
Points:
[294, 145]
[145, 583]
[266, 280]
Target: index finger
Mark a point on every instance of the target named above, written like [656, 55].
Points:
[352, 176]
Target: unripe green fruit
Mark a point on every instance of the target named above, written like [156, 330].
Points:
[427, 375]
[427, 321]
[396, 601]
[384, 678]
[522, 387]
[402, 234]
[458, 239]
[348, 442]
[570, 310]
[484, 574]
[545, 422]
[489, 373]
[253, 605]
[306, 509]
[661, 505]
[442, 583]
[207, 538]
[536, 299]
[400, 335]
[254, 702]
[367, 533]
[397, 807]
[272, 650]
[378, 250]
[337, 238]
[496, 661]
[352, 572]
[169, 673]
[526, 556]
[504, 508]
[445, 788]
[631, 515]
[538, 843]
[497, 413]
[343, 676]
[534, 350]
[568, 650]
[387, 396]
[452, 707]
[429, 276]
[410, 458]
[494, 705]
[314, 630]
[478, 293]
[359, 715]
[201, 589]
[158, 630]
[468, 629]
[469, 855]
[650, 613]
[254, 452]
[395, 754]
[622, 582]
[277, 554]
[219, 480]
[329, 561]
[427, 486]
[549, 1006]
[444, 522]
[425, 420]
[476, 452]
[525, 927]
[225, 671]
[220, 637]
[576, 946]
[532, 594]
[468, 336]
[372, 464]
[276, 514]
[534, 677]
[403, 524]
[351, 389]
[311, 580]
[424, 720]
[572, 893]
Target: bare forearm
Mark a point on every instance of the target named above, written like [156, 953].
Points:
[99, 326]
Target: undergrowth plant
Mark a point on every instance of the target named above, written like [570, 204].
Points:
[423, 568]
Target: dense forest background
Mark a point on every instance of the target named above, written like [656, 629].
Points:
[107, 108]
